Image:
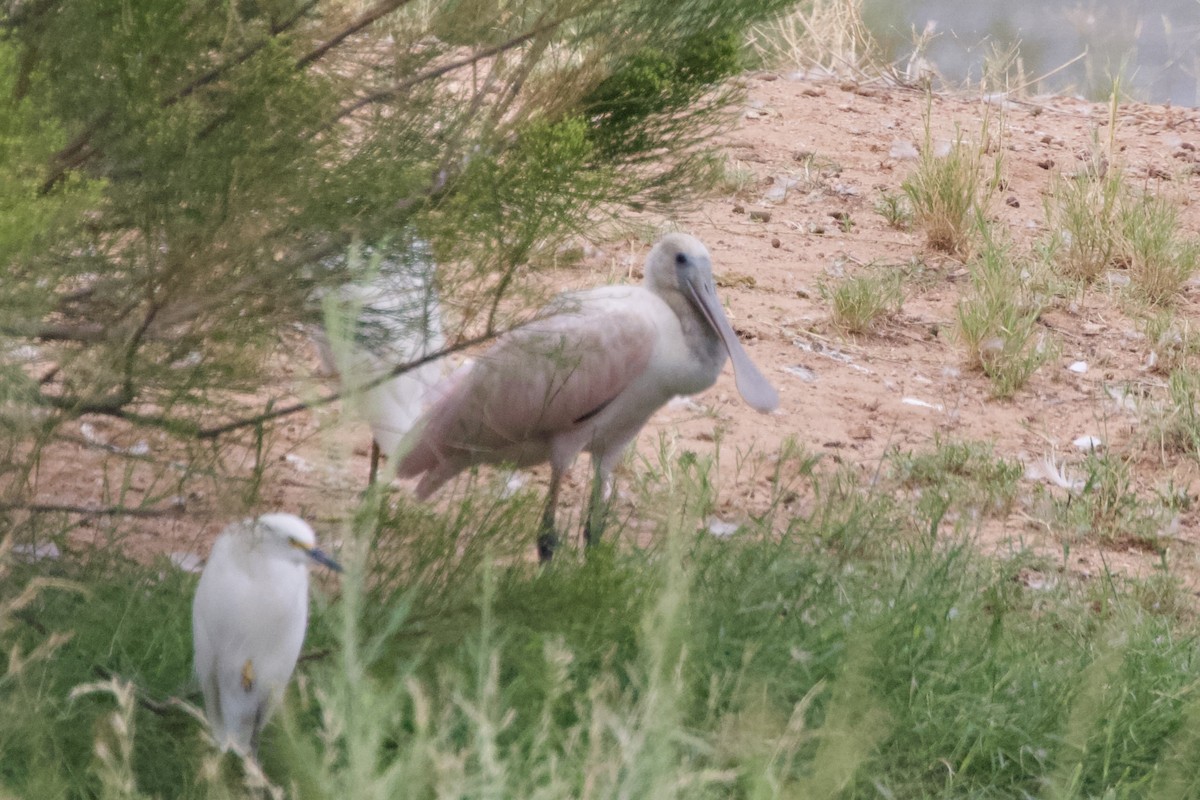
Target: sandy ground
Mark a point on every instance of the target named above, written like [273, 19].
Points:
[835, 148]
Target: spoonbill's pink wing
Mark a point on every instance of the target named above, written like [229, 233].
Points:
[536, 382]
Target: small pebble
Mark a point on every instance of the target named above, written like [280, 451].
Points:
[722, 529]
[901, 150]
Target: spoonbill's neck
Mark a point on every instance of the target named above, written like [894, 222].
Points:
[702, 341]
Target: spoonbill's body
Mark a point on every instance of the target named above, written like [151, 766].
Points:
[393, 318]
[248, 622]
[586, 376]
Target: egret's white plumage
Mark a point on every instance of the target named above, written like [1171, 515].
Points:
[586, 376]
[396, 321]
[248, 622]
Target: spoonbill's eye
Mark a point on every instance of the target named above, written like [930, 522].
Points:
[681, 259]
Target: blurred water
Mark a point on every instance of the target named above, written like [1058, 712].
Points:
[1154, 45]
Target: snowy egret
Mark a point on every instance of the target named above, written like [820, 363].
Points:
[248, 622]
[586, 375]
[391, 318]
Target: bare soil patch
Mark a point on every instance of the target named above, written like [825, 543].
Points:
[835, 148]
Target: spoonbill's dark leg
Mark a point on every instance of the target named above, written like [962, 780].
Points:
[547, 541]
[375, 454]
[598, 503]
[603, 488]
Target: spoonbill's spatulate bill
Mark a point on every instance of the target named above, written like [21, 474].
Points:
[586, 375]
[248, 622]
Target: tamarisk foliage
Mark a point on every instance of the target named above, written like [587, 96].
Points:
[178, 180]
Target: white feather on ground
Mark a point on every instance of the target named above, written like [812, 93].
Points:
[1049, 469]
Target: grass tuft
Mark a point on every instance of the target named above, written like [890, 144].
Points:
[998, 319]
[945, 192]
[1177, 424]
[1173, 343]
[1082, 213]
[895, 209]
[735, 178]
[857, 304]
[1159, 260]
[829, 36]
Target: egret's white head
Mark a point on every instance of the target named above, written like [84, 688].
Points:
[680, 263]
[289, 537]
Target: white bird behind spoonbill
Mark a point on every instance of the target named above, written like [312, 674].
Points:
[395, 320]
[248, 622]
[586, 375]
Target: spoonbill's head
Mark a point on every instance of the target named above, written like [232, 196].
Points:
[287, 537]
[680, 263]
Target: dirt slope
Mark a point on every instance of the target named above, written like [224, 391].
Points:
[835, 149]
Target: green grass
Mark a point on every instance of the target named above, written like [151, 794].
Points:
[964, 478]
[998, 317]
[1176, 425]
[895, 209]
[735, 178]
[1082, 214]
[1098, 223]
[1172, 342]
[1109, 508]
[843, 645]
[947, 193]
[1159, 259]
[858, 303]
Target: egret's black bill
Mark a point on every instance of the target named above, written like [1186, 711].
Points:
[322, 558]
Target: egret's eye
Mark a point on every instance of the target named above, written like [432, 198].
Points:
[681, 259]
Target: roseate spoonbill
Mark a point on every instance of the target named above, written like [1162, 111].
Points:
[586, 375]
[248, 622]
[391, 318]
